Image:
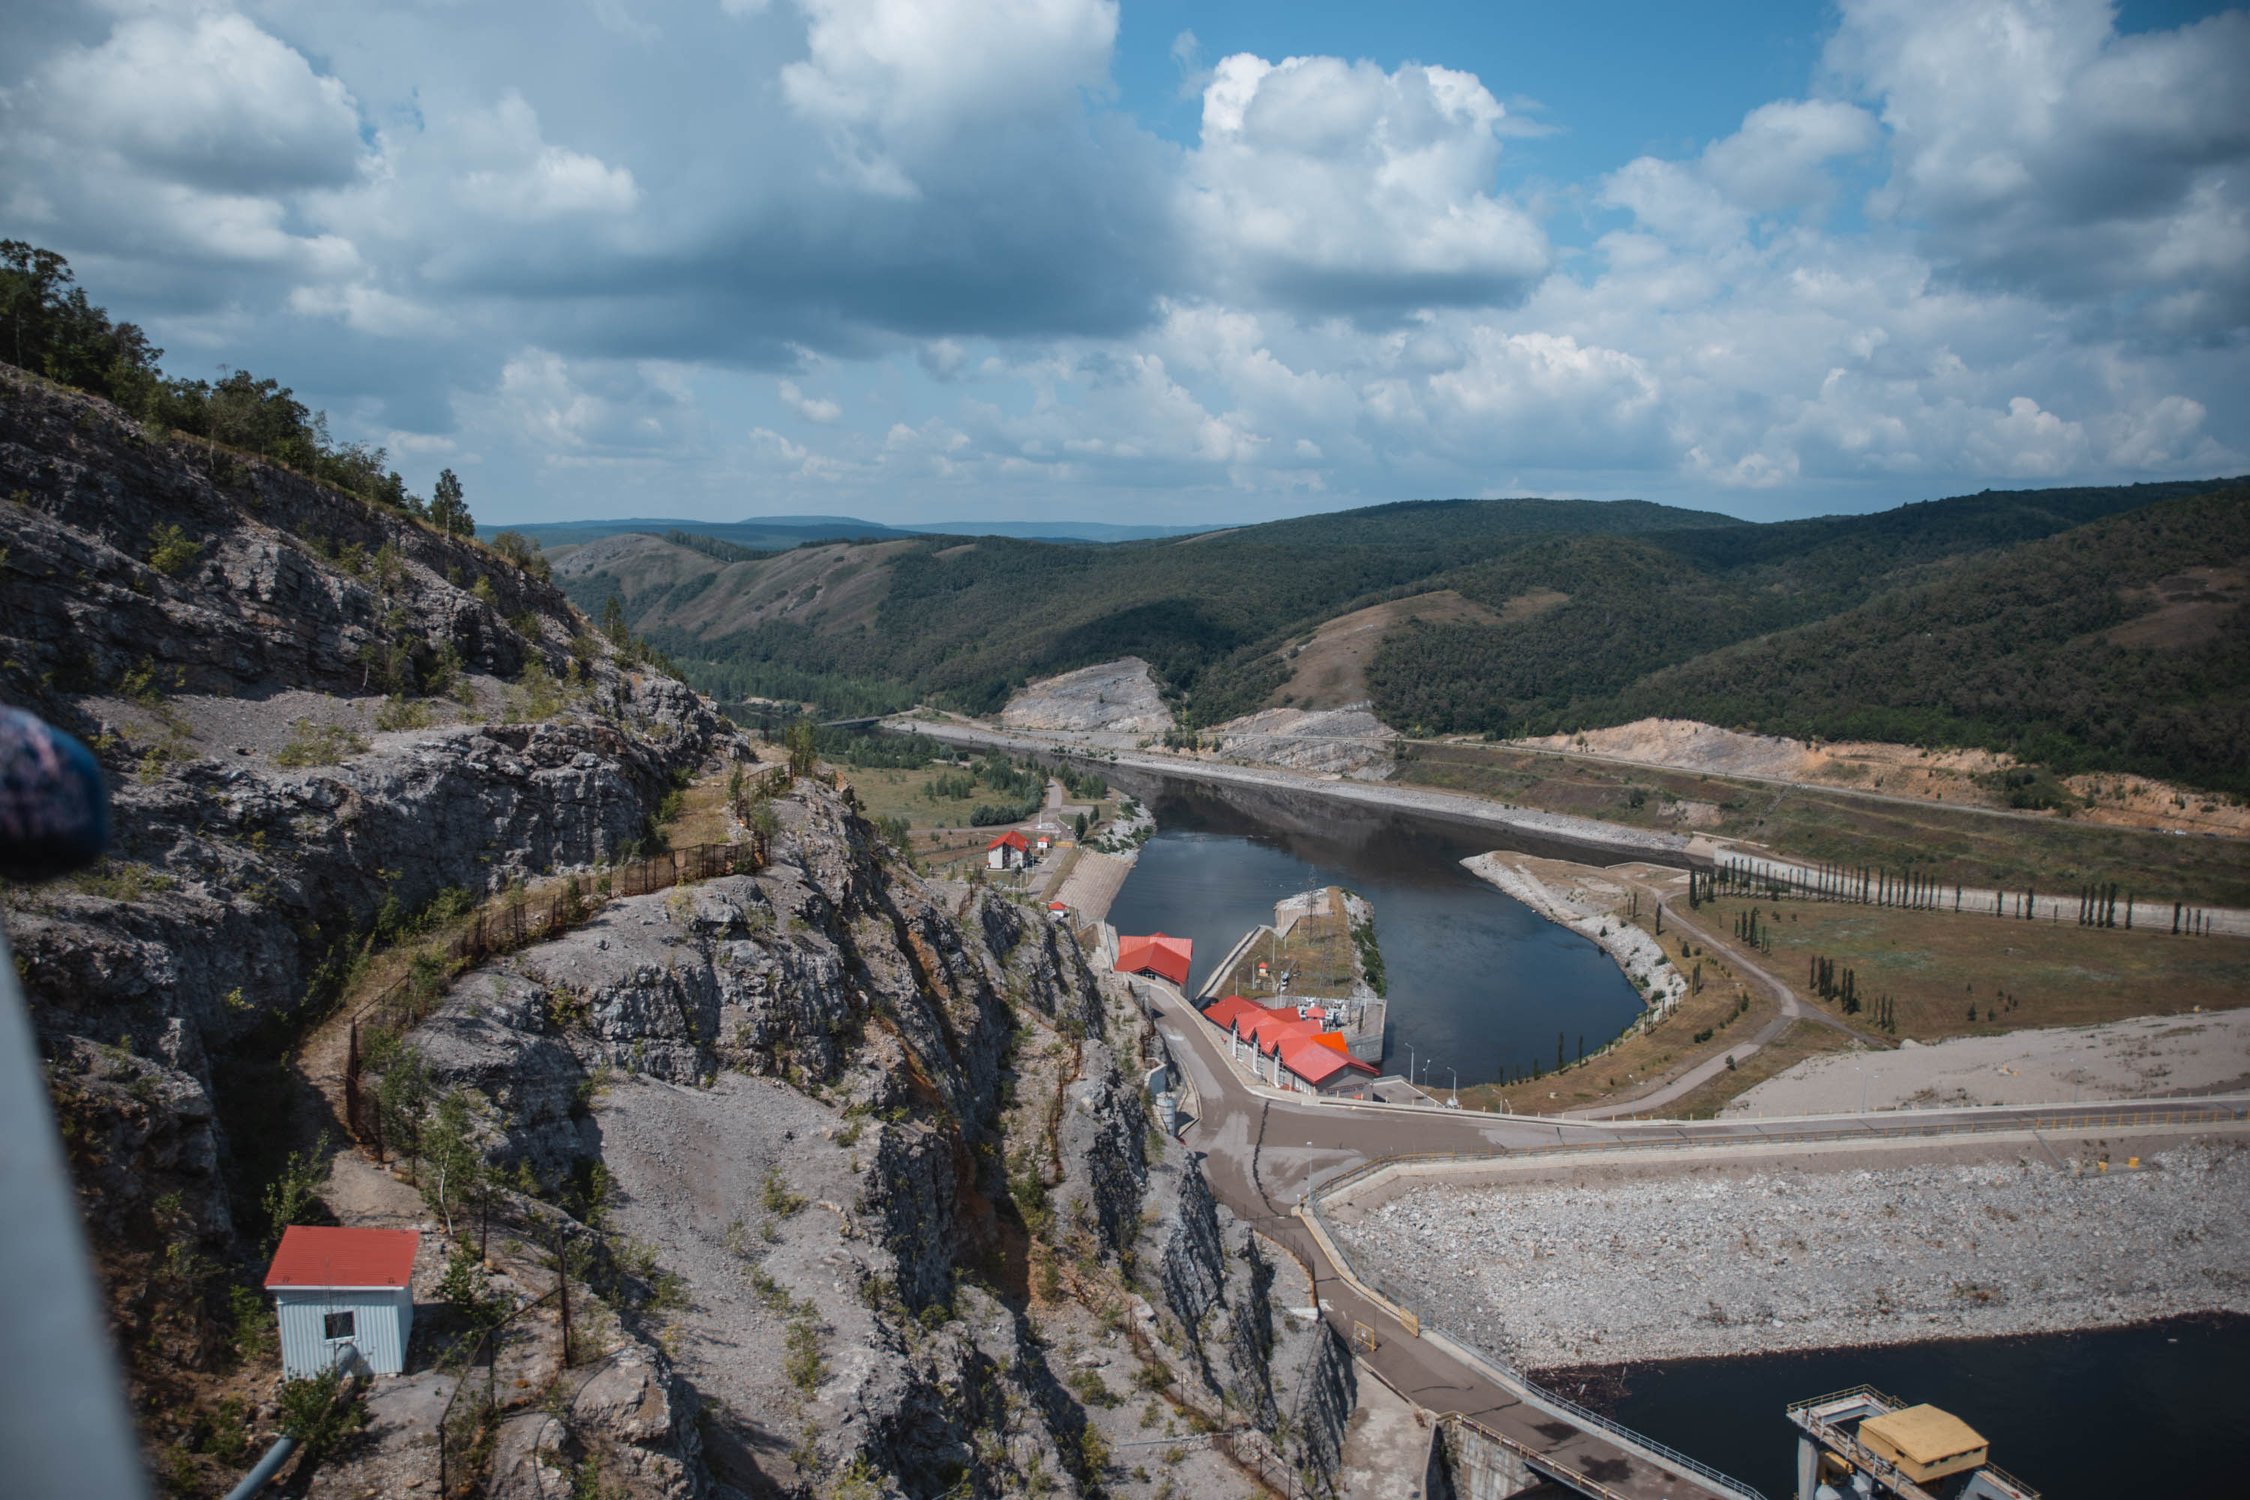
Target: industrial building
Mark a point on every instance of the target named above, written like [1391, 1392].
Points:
[1861, 1444]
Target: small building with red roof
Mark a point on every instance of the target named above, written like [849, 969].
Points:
[343, 1297]
[1156, 955]
[1010, 851]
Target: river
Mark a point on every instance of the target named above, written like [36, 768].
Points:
[1477, 981]
[2158, 1410]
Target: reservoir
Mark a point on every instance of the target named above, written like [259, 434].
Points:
[2162, 1409]
[1477, 981]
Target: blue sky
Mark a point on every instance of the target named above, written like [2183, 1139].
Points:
[1170, 262]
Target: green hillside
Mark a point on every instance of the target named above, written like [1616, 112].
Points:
[970, 620]
[2121, 644]
[2042, 621]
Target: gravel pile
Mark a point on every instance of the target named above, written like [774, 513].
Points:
[1725, 1261]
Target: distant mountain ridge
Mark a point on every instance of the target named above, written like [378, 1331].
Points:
[779, 533]
[1510, 617]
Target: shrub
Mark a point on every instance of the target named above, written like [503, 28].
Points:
[313, 744]
[804, 1364]
[320, 1414]
[520, 550]
[170, 549]
[401, 712]
[776, 1197]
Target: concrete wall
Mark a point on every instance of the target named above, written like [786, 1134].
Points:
[1468, 1465]
[383, 1320]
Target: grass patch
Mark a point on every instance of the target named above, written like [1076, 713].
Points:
[313, 744]
[1951, 844]
[1935, 965]
[1801, 1040]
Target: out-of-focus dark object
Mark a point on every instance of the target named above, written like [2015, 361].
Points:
[54, 805]
[63, 1428]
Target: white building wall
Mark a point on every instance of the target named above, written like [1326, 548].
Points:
[382, 1319]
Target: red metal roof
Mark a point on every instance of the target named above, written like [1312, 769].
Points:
[1233, 1009]
[1165, 957]
[311, 1256]
[1311, 1059]
[1012, 839]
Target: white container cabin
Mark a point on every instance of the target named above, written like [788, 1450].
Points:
[343, 1297]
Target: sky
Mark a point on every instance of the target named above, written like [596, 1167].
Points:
[1154, 262]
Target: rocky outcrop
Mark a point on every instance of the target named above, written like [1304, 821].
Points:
[1114, 704]
[857, 1168]
[1347, 741]
[317, 717]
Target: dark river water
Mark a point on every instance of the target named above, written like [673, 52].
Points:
[1477, 981]
[2157, 1411]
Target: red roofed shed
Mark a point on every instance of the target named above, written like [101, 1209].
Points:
[343, 1296]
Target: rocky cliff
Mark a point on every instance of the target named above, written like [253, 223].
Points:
[850, 1175]
[319, 720]
[885, 1142]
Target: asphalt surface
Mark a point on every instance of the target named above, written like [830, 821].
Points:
[1264, 1154]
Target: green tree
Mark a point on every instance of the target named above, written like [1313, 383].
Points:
[524, 553]
[293, 1197]
[449, 511]
[804, 748]
[453, 1168]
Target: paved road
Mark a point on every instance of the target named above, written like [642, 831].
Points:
[1630, 843]
[1263, 1154]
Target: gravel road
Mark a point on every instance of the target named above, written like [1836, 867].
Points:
[1730, 1259]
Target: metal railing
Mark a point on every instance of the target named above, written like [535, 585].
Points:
[1503, 1373]
[452, 1450]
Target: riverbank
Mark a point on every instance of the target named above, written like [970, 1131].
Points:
[1625, 843]
[1603, 1264]
[1591, 905]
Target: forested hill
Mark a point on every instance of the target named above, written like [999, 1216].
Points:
[1532, 616]
[2123, 643]
[968, 619]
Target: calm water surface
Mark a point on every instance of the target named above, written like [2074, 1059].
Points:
[2157, 1411]
[1477, 981]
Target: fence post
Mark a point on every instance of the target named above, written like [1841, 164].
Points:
[351, 1081]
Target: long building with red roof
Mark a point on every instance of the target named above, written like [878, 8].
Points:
[1290, 1047]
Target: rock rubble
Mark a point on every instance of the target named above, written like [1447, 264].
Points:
[1792, 1255]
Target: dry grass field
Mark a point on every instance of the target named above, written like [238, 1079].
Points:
[1936, 966]
[1815, 824]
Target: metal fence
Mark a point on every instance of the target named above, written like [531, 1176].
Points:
[512, 922]
[462, 1431]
